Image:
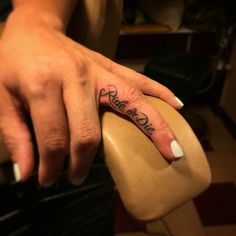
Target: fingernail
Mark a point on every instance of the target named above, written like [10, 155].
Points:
[176, 149]
[48, 184]
[16, 170]
[78, 181]
[179, 101]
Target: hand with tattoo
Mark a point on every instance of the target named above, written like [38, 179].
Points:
[61, 84]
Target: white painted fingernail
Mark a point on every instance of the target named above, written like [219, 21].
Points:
[48, 184]
[16, 170]
[176, 149]
[78, 181]
[179, 101]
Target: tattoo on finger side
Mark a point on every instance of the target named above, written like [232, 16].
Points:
[140, 118]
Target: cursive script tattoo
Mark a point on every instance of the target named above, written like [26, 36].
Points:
[113, 98]
[140, 118]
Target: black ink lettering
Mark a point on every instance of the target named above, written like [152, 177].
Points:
[150, 130]
[113, 98]
[139, 118]
[143, 120]
[132, 113]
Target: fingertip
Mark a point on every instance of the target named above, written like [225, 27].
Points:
[174, 102]
[79, 167]
[168, 145]
[174, 152]
[78, 172]
[78, 181]
[48, 184]
[176, 149]
[179, 102]
[23, 165]
[49, 170]
[17, 172]
[21, 173]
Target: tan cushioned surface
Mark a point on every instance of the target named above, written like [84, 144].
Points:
[149, 186]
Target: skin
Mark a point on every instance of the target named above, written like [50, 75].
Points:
[61, 84]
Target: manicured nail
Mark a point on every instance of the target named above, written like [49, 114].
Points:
[78, 181]
[176, 149]
[48, 184]
[179, 101]
[16, 170]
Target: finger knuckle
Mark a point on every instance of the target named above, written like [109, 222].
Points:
[79, 70]
[89, 136]
[12, 141]
[144, 81]
[40, 80]
[108, 63]
[162, 126]
[55, 142]
[135, 95]
[41, 73]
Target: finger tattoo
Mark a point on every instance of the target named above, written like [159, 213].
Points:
[140, 118]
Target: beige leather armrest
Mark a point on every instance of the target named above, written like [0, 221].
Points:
[149, 186]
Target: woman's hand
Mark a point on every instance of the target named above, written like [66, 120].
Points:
[62, 84]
